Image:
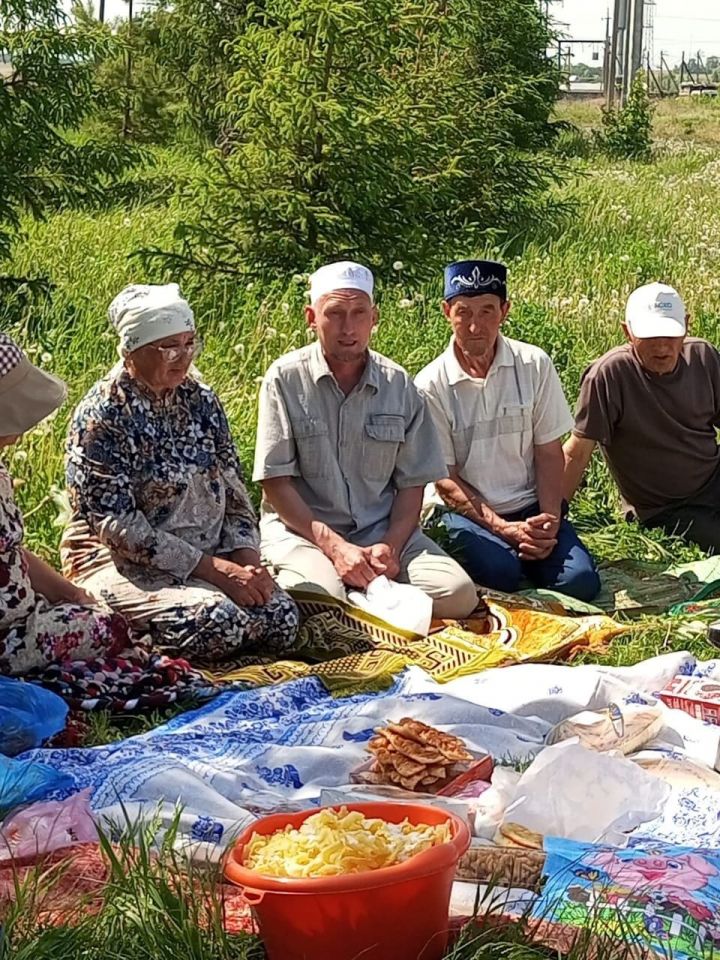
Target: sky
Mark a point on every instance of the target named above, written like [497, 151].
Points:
[688, 25]
[680, 25]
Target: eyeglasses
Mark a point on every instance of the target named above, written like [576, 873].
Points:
[171, 354]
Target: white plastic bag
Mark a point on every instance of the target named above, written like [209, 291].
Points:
[491, 806]
[399, 604]
[572, 792]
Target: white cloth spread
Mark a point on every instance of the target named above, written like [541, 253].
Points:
[282, 745]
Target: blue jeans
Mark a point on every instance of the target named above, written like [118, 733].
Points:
[494, 563]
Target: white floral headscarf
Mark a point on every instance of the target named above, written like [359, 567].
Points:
[143, 313]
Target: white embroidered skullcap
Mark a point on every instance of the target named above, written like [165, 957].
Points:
[27, 394]
[143, 313]
[340, 276]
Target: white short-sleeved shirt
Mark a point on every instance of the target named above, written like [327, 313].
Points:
[489, 426]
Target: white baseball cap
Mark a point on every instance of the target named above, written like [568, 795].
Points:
[656, 310]
[340, 276]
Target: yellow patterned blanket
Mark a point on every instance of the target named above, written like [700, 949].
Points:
[349, 649]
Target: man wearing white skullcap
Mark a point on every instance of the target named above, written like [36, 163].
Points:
[162, 526]
[344, 449]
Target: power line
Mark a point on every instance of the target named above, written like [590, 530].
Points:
[661, 16]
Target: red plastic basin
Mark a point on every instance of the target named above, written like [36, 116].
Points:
[396, 913]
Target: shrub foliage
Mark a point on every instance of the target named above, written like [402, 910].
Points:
[375, 129]
[45, 95]
[627, 131]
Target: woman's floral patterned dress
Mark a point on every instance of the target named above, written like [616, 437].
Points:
[33, 632]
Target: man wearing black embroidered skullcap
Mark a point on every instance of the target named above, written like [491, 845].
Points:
[501, 414]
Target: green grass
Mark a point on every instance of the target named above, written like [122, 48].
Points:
[155, 906]
[633, 223]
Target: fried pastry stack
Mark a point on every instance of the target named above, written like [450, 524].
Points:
[412, 755]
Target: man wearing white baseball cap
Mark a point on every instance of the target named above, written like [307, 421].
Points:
[653, 407]
[345, 447]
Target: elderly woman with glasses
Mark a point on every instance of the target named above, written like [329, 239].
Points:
[162, 527]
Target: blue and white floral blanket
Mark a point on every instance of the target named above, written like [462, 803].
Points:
[280, 745]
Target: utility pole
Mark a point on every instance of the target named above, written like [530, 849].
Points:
[638, 34]
[631, 25]
[671, 75]
[662, 68]
[102, 11]
[651, 76]
[701, 66]
[606, 56]
[615, 53]
[685, 68]
[627, 51]
[638, 31]
[127, 110]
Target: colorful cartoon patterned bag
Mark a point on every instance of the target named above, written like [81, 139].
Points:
[657, 897]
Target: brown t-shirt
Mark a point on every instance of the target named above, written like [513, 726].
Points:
[656, 432]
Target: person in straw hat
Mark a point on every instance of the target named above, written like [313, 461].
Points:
[345, 446]
[162, 527]
[43, 617]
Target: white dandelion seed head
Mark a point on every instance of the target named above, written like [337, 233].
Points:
[398, 265]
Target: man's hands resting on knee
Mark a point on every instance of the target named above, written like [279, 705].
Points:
[534, 538]
[359, 566]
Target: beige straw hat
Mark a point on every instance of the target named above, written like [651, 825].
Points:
[27, 394]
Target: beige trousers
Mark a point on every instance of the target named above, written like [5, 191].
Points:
[299, 564]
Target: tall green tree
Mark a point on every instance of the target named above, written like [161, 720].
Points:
[137, 97]
[46, 91]
[192, 41]
[381, 129]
